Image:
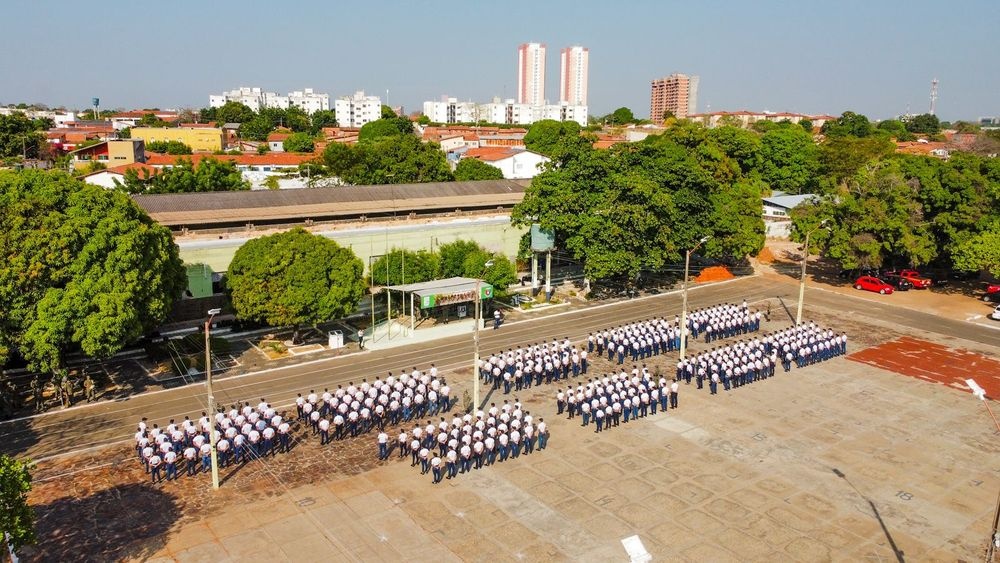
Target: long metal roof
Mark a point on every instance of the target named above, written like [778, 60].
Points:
[331, 202]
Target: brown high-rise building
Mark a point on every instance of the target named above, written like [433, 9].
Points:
[677, 93]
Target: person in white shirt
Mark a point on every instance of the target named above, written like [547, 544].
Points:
[383, 446]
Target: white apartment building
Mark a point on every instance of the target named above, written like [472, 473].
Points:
[59, 118]
[255, 99]
[450, 110]
[309, 101]
[573, 74]
[512, 113]
[531, 74]
[357, 110]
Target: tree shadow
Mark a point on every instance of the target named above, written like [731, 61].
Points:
[125, 522]
[18, 436]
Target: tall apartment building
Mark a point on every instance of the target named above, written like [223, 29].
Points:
[531, 74]
[450, 110]
[255, 99]
[677, 93]
[357, 110]
[573, 69]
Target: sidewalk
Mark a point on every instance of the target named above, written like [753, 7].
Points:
[401, 335]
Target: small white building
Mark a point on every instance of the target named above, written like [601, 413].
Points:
[255, 98]
[516, 164]
[777, 212]
[357, 110]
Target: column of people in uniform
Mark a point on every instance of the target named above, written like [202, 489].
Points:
[358, 409]
[745, 362]
[243, 433]
[450, 448]
[521, 368]
[617, 398]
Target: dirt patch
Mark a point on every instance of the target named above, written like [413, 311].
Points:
[765, 256]
[714, 273]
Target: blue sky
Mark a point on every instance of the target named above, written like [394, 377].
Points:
[875, 57]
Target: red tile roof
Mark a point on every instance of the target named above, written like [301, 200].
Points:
[490, 154]
[269, 159]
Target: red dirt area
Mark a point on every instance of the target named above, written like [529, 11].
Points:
[766, 256]
[934, 363]
[714, 273]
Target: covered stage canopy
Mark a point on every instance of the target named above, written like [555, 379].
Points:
[437, 293]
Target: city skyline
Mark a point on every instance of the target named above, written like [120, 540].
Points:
[873, 58]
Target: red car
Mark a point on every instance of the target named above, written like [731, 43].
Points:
[914, 277]
[869, 283]
[992, 292]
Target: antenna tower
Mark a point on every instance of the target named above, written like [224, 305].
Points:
[934, 96]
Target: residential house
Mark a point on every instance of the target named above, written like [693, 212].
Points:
[516, 164]
[110, 153]
[200, 137]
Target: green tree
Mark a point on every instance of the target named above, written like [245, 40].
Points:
[790, 160]
[405, 266]
[320, 119]
[17, 519]
[843, 156]
[210, 175]
[738, 230]
[294, 278]
[474, 169]
[388, 113]
[20, 136]
[550, 137]
[621, 116]
[424, 120]
[500, 274]
[231, 112]
[980, 252]
[807, 125]
[84, 270]
[256, 129]
[299, 142]
[396, 159]
[927, 124]
[168, 147]
[895, 128]
[385, 127]
[849, 123]
[296, 119]
[453, 255]
[150, 120]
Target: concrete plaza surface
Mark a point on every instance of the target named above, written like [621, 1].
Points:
[838, 461]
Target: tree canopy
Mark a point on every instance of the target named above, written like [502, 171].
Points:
[394, 159]
[210, 175]
[474, 169]
[299, 142]
[84, 269]
[385, 127]
[405, 266]
[17, 519]
[550, 137]
[168, 147]
[231, 112]
[926, 123]
[21, 136]
[294, 278]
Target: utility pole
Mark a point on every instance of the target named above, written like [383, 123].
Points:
[802, 277]
[213, 435]
[684, 306]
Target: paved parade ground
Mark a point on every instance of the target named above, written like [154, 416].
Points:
[843, 460]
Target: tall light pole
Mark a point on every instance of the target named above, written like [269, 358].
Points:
[802, 277]
[684, 306]
[994, 541]
[211, 396]
[479, 321]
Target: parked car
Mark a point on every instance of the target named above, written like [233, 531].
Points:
[871, 283]
[855, 273]
[992, 292]
[898, 282]
[995, 315]
[914, 277]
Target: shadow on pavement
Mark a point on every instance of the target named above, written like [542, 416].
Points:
[124, 522]
[18, 436]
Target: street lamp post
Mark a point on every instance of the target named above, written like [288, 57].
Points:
[802, 277]
[211, 396]
[994, 541]
[684, 306]
[479, 321]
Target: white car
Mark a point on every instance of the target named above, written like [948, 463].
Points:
[995, 315]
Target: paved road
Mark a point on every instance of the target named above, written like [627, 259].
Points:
[105, 423]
